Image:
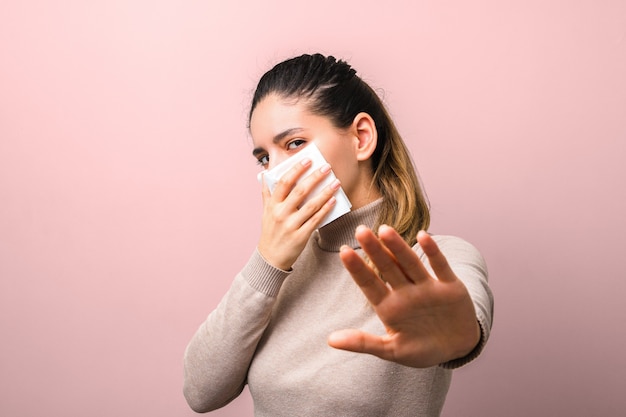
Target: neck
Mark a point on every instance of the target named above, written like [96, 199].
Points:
[341, 231]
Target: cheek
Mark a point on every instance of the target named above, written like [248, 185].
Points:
[345, 169]
[342, 160]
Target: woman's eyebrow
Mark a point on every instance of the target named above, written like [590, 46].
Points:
[278, 138]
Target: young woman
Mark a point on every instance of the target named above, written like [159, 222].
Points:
[365, 316]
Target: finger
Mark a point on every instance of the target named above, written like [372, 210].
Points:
[382, 257]
[437, 260]
[372, 286]
[310, 210]
[313, 221]
[265, 190]
[361, 342]
[406, 257]
[287, 182]
[306, 189]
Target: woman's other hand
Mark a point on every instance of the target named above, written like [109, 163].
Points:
[287, 223]
[429, 319]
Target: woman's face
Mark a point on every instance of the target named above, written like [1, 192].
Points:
[280, 128]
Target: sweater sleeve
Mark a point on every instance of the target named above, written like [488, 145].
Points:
[217, 358]
[470, 267]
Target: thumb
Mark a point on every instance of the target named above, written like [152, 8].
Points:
[360, 342]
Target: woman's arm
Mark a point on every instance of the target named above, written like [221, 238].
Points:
[431, 306]
[218, 356]
[470, 267]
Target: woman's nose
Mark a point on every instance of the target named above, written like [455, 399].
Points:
[276, 158]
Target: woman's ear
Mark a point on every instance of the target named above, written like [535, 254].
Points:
[366, 134]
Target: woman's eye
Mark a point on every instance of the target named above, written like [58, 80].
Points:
[264, 160]
[294, 144]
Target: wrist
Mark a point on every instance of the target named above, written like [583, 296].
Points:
[274, 261]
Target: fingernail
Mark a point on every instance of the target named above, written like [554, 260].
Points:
[306, 161]
[335, 185]
[324, 169]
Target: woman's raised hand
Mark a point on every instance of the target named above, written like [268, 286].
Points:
[429, 320]
[288, 223]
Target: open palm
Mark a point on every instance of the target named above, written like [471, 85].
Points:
[428, 319]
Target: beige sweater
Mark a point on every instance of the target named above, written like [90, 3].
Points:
[271, 327]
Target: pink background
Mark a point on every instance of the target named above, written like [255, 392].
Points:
[128, 197]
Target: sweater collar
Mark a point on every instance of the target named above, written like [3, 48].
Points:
[341, 231]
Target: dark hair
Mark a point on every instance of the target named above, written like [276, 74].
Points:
[332, 89]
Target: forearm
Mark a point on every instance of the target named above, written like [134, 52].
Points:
[470, 267]
[219, 354]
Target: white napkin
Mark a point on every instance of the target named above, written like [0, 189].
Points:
[342, 206]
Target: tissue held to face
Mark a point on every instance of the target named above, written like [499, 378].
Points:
[281, 128]
[311, 152]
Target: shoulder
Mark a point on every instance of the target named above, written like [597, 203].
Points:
[448, 243]
[459, 252]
